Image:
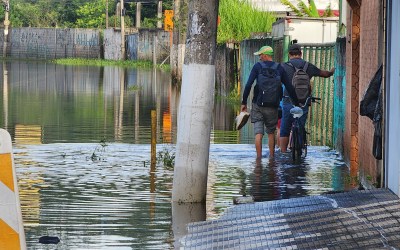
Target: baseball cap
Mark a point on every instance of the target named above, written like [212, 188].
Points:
[294, 48]
[266, 50]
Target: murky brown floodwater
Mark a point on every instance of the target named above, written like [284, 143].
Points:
[97, 195]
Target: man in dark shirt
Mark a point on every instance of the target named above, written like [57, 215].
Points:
[264, 116]
[295, 58]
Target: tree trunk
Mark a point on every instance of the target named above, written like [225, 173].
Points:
[196, 104]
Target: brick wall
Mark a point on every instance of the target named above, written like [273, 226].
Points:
[364, 55]
[352, 79]
[370, 59]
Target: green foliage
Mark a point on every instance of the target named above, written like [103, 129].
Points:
[239, 19]
[74, 13]
[233, 97]
[292, 7]
[166, 157]
[309, 10]
[103, 62]
[92, 14]
[328, 12]
[38, 14]
[149, 23]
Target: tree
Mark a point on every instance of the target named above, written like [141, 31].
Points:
[92, 15]
[28, 14]
[309, 10]
[67, 11]
[148, 13]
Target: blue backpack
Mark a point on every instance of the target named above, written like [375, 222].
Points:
[269, 86]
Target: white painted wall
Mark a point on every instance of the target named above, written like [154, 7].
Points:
[392, 118]
[307, 30]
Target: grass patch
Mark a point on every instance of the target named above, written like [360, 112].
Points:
[238, 20]
[104, 62]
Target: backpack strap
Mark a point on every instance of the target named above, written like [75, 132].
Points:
[291, 65]
[305, 66]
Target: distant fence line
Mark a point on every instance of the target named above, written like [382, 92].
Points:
[53, 43]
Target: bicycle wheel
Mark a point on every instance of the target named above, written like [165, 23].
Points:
[305, 143]
[296, 146]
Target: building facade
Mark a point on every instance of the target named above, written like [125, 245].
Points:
[373, 39]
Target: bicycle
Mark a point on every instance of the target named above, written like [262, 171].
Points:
[298, 140]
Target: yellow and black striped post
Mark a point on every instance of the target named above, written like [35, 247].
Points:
[12, 234]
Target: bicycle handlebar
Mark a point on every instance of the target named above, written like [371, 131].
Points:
[311, 99]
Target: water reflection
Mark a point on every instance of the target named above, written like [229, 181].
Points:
[87, 104]
[82, 151]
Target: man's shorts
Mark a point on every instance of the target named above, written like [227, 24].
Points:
[264, 117]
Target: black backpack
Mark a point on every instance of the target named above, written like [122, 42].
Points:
[301, 82]
[269, 86]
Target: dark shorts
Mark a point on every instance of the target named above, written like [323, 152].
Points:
[287, 119]
[264, 117]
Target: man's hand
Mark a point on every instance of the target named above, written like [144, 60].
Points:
[326, 74]
[243, 108]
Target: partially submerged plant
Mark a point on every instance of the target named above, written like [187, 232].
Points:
[102, 145]
[166, 157]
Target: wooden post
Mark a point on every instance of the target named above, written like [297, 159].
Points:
[154, 49]
[153, 136]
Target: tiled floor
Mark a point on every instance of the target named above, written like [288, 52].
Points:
[368, 219]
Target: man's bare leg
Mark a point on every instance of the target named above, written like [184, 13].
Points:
[258, 143]
[284, 141]
[271, 145]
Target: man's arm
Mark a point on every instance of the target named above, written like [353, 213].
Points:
[247, 88]
[326, 74]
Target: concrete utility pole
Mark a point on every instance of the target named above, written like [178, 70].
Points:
[196, 104]
[6, 24]
[178, 41]
[107, 14]
[122, 30]
[138, 13]
[159, 14]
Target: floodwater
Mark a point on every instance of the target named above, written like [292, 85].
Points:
[82, 153]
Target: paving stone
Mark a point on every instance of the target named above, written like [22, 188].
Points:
[367, 219]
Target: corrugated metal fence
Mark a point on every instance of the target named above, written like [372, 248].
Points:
[321, 116]
[50, 43]
[339, 97]
[320, 119]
